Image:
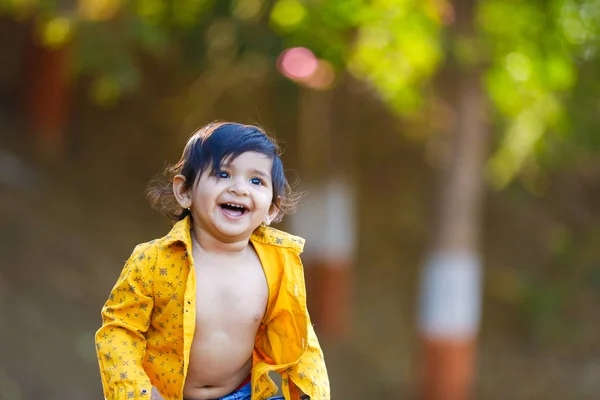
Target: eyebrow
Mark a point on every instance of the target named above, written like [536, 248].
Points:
[260, 173]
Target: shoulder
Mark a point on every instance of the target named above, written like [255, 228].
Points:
[155, 248]
[145, 253]
[275, 237]
[178, 236]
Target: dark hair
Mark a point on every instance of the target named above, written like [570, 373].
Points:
[206, 149]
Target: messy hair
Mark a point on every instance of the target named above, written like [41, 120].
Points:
[207, 149]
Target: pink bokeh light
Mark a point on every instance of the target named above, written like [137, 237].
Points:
[323, 77]
[298, 63]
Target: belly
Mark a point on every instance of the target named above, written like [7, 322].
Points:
[220, 359]
[219, 354]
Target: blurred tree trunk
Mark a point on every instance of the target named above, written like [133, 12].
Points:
[326, 218]
[451, 284]
[47, 96]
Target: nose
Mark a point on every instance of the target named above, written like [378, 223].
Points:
[239, 188]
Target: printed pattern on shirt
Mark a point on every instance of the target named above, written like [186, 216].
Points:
[141, 341]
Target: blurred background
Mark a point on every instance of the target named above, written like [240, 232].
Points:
[448, 151]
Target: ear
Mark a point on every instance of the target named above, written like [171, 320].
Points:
[182, 195]
[273, 211]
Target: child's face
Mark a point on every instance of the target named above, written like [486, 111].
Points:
[232, 203]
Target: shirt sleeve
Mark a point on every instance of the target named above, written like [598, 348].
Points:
[121, 341]
[310, 373]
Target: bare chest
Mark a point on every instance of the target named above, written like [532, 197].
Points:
[231, 295]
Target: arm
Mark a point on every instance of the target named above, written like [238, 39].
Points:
[309, 376]
[120, 342]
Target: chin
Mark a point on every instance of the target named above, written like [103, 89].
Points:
[234, 235]
[236, 228]
[234, 232]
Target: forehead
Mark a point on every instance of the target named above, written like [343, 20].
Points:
[250, 159]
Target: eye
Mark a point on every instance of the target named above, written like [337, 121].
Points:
[256, 181]
[223, 174]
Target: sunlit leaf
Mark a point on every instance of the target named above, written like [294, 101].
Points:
[520, 139]
[151, 11]
[247, 9]
[56, 32]
[98, 10]
[519, 66]
[397, 49]
[560, 72]
[287, 14]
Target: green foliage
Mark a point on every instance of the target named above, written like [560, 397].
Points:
[531, 69]
[530, 52]
[398, 48]
[111, 38]
[327, 27]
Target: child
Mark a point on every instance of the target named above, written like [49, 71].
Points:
[209, 310]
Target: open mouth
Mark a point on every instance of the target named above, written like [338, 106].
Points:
[233, 210]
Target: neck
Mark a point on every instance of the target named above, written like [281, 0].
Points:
[212, 244]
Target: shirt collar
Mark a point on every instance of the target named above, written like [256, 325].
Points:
[181, 232]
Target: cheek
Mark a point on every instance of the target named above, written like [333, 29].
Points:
[268, 197]
[265, 199]
[204, 198]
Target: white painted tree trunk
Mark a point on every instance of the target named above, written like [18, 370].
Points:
[450, 302]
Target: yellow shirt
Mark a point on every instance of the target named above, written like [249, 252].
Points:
[149, 319]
